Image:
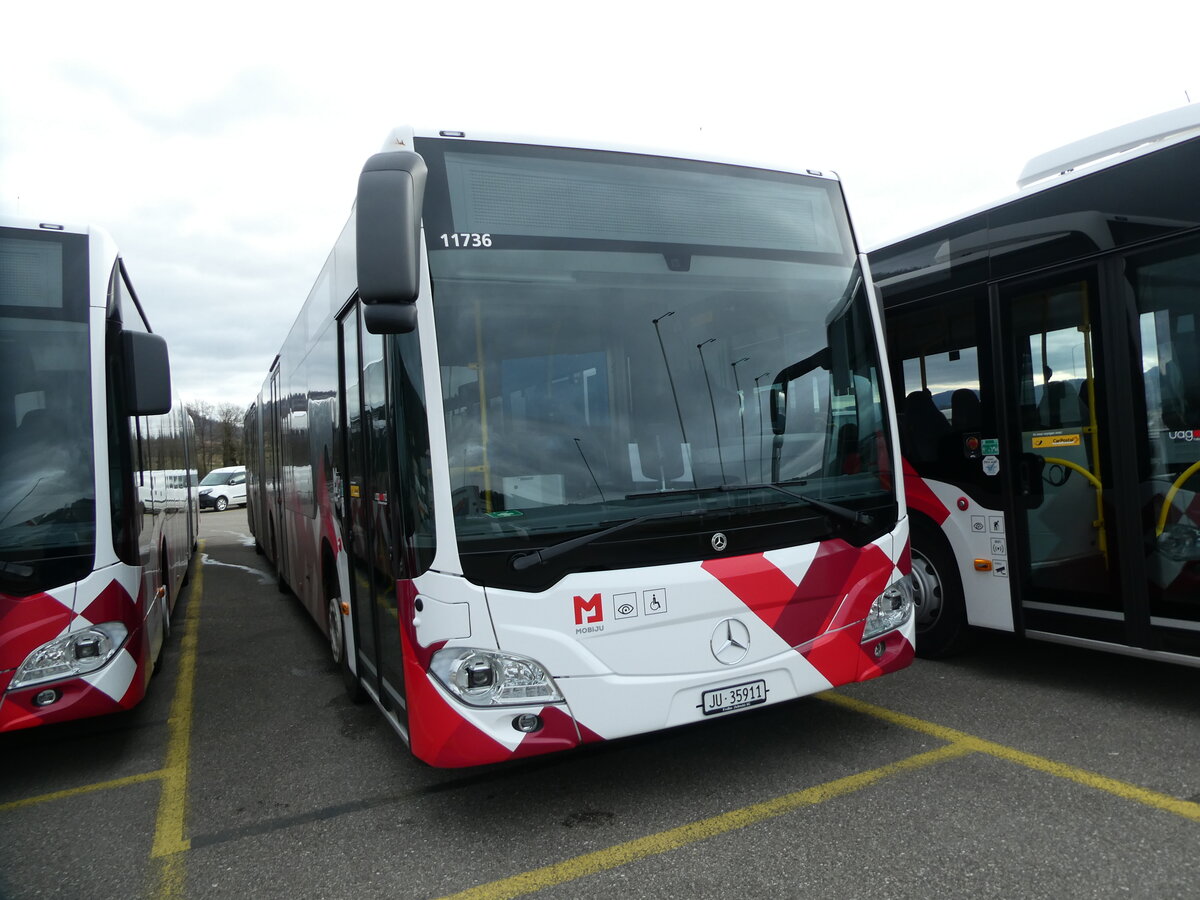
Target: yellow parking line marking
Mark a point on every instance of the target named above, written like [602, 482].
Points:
[170, 840]
[85, 789]
[693, 832]
[1185, 808]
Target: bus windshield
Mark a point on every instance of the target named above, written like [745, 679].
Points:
[47, 478]
[620, 334]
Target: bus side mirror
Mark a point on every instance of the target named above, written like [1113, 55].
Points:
[400, 318]
[391, 191]
[147, 373]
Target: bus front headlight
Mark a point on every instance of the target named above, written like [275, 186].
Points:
[71, 655]
[491, 678]
[890, 610]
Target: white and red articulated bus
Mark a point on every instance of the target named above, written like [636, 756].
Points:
[1047, 350]
[98, 513]
[570, 443]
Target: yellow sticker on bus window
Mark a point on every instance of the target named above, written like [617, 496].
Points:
[355, 490]
[1042, 441]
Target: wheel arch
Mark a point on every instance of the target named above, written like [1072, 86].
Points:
[942, 627]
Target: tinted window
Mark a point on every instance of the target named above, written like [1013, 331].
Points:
[47, 476]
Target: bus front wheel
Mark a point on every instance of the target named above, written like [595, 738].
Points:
[941, 613]
[337, 647]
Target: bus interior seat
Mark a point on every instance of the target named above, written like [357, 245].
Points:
[1085, 405]
[36, 423]
[964, 410]
[923, 427]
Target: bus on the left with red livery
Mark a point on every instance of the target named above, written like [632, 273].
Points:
[98, 505]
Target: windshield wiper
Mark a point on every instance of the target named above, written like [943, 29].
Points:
[842, 512]
[537, 557]
[15, 569]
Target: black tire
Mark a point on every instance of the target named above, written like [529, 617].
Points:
[165, 600]
[221, 504]
[336, 624]
[281, 584]
[940, 610]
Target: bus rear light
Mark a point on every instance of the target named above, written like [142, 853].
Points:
[71, 655]
[890, 610]
[491, 678]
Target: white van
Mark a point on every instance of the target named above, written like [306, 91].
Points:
[221, 488]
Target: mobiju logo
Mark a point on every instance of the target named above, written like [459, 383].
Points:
[592, 609]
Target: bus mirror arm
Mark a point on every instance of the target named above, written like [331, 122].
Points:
[391, 193]
[779, 386]
[147, 373]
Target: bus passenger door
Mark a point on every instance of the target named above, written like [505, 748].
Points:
[355, 520]
[367, 514]
[1070, 478]
[1165, 287]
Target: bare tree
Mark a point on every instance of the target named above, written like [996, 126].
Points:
[202, 415]
[218, 434]
[229, 417]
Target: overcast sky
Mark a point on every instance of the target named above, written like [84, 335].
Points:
[220, 143]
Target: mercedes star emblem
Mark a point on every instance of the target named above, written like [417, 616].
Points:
[719, 542]
[730, 642]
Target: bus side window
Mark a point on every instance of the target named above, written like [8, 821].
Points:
[939, 366]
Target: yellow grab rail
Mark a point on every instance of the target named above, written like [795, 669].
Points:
[1055, 461]
[1098, 524]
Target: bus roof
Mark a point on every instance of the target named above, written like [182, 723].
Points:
[23, 222]
[102, 242]
[401, 137]
[1079, 158]
[1146, 134]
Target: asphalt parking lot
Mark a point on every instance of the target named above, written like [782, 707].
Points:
[1020, 770]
